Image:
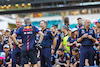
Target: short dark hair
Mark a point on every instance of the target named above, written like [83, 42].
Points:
[54, 26]
[59, 30]
[75, 49]
[44, 22]
[61, 49]
[79, 18]
[66, 20]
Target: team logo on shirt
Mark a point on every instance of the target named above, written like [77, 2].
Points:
[83, 31]
[28, 28]
[91, 31]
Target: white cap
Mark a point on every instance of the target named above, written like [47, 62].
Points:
[74, 29]
[0, 33]
[70, 29]
[6, 46]
[8, 29]
[2, 55]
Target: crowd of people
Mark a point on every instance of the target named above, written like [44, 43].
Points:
[27, 46]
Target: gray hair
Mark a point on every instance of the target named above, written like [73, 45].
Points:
[27, 20]
[65, 27]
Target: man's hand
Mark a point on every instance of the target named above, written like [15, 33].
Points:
[20, 46]
[52, 51]
[65, 65]
[38, 46]
[85, 35]
[90, 37]
[75, 42]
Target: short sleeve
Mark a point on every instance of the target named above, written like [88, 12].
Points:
[71, 60]
[79, 33]
[94, 34]
[51, 34]
[11, 32]
[67, 57]
[18, 32]
[36, 29]
[69, 39]
[57, 56]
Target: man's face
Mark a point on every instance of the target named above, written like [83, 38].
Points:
[98, 25]
[42, 24]
[18, 23]
[87, 23]
[76, 32]
[60, 53]
[62, 29]
[80, 21]
[6, 49]
[74, 53]
[7, 33]
[53, 29]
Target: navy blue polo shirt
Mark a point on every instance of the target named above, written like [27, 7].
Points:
[64, 58]
[6, 40]
[98, 37]
[7, 59]
[71, 40]
[58, 38]
[16, 48]
[28, 33]
[79, 27]
[48, 39]
[86, 41]
[1, 47]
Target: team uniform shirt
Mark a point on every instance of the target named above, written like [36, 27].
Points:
[79, 27]
[71, 40]
[7, 59]
[53, 58]
[6, 40]
[58, 38]
[86, 41]
[28, 33]
[64, 58]
[48, 39]
[74, 59]
[98, 37]
[16, 48]
[1, 47]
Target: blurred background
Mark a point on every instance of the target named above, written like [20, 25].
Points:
[53, 11]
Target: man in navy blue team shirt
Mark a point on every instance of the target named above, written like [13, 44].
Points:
[80, 25]
[28, 33]
[63, 59]
[58, 39]
[86, 38]
[16, 53]
[45, 53]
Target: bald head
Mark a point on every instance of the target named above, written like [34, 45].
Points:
[18, 22]
[87, 22]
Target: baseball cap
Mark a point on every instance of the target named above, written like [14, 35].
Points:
[74, 29]
[8, 29]
[0, 33]
[2, 55]
[94, 26]
[6, 46]
[98, 20]
[95, 22]
[70, 29]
